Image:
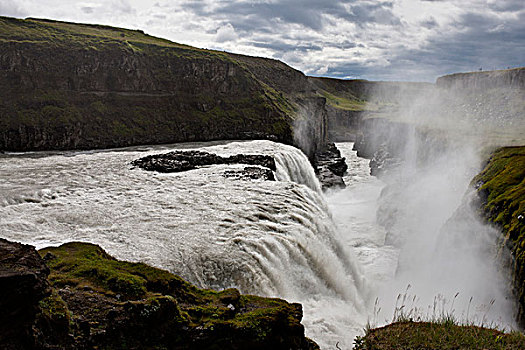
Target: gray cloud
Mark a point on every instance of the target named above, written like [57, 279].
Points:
[250, 16]
[506, 5]
[87, 9]
[285, 47]
[468, 50]
[371, 39]
[12, 8]
[429, 23]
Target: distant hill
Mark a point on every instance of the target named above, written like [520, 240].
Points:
[67, 85]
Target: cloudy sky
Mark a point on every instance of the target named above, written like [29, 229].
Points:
[407, 40]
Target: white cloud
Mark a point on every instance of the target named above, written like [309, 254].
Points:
[322, 70]
[12, 8]
[226, 33]
[360, 38]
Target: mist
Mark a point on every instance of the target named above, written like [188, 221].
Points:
[448, 262]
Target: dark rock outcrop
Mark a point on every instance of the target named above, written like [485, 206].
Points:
[178, 161]
[375, 133]
[382, 161]
[251, 173]
[93, 301]
[330, 167]
[23, 283]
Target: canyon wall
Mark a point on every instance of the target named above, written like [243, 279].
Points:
[349, 102]
[471, 114]
[514, 78]
[501, 191]
[76, 86]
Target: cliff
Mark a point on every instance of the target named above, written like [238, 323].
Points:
[514, 78]
[79, 297]
[359, 94]
[349, 102]
[491, 100]
[78, 86]
[501, 190]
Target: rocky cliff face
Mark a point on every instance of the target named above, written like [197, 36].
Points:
[349, 102]
[86, 299]
[510, 78]
[501, 189]
[23, 277]
[85, 86]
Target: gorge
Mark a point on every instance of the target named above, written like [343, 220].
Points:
[412, 239]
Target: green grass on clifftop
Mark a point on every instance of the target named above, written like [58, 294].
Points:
[502, 186]
[34, 30]
[437, 336]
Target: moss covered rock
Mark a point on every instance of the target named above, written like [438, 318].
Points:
[501, 188]
[102, 302]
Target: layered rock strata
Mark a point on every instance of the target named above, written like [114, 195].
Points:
[78, 86]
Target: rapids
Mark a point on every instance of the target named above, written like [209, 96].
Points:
[280, 238]
[274, 238]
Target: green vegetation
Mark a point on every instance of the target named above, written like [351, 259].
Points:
[347, 104]
[437, 336]
[54, 308]
[92, 86]
[501, 186]
[50, 32]
[363, 95]
[91, 286]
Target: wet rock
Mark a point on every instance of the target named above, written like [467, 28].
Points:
[330, 167]
[178, 161]
[23, 283]
[251, 173]
[382, 162]
[252, 159]
[500, 188]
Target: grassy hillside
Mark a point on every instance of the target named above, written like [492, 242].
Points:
[364, 95]
[68, 85]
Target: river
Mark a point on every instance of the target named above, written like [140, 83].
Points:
[275, 238]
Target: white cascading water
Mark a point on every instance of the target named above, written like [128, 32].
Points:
[273, 238]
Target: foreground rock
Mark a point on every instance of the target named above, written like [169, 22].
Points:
[97, 301]
[501, 190]
[178, 161]
[330, 167]
[23, 283]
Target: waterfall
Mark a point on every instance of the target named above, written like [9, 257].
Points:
[294, 166]
[272, 238]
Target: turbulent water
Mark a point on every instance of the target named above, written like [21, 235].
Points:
[282, 238]
[271, 238]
